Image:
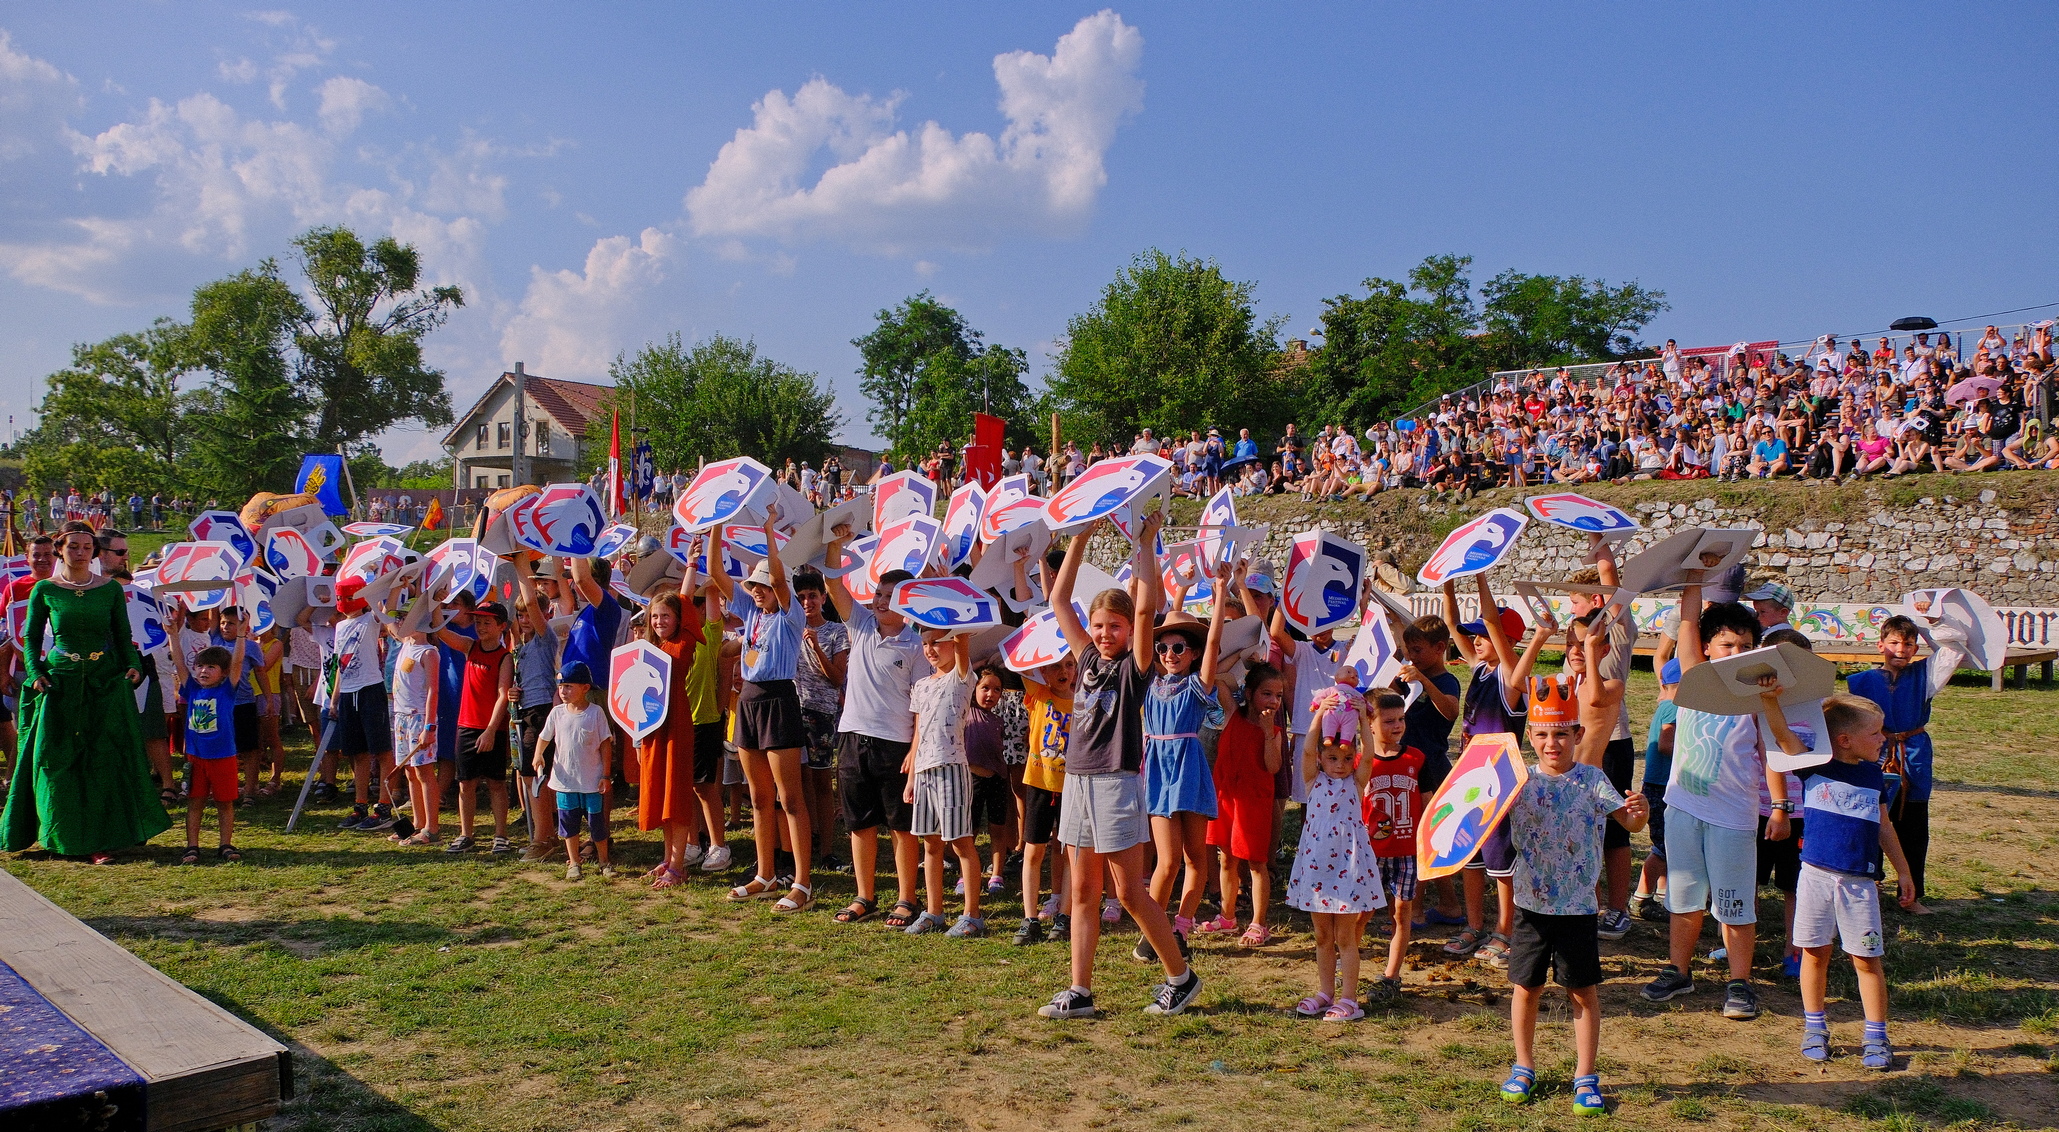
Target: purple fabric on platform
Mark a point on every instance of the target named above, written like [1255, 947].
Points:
[54, 1074]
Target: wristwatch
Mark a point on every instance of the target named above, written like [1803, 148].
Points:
[1784, 806]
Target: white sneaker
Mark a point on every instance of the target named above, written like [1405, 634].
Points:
[693, 855]
[716, 860]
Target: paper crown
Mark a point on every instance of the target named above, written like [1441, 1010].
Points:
[1551, 701]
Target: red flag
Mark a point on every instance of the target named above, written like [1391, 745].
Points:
[432, 519]
[615, 464]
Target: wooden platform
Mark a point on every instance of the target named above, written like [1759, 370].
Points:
[2018, 658]
[203, 1068]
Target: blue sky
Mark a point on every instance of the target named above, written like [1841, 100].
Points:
[596, 176]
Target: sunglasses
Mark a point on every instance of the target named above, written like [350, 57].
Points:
[1172, 648]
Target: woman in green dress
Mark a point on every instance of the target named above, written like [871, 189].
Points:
[83, 785]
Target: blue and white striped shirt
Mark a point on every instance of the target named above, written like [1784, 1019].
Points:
[772, 641]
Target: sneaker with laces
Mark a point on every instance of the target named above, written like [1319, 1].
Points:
[1144, 952]
[1651, 909]
[381, 818]
[693, 854]
[1173, 998]
[1061, 928]
[1612, 924]
[1671, 984]
[502, 845]
[1031, 932]
[460, 844]
[717, 859]
[359, 815]
[1740, 1002]
[1069, 1003]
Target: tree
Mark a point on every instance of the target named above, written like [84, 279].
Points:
[1172, 345]
[360, 345]
[1540, 320]
[249, 421]
[718, 399]
[114, 418]
[1400, 344]
[927, 371]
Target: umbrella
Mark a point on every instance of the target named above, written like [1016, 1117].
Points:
[1912, 323]
[1237, 464]
[1972, 389]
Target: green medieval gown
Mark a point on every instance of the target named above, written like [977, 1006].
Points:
[82, 784]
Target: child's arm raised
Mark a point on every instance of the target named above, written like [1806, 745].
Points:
[1776, 781]
[1273, 738]
[717, 576]
[1368, 742]
[532, 608]
[1211, 652]
[1504, 649]
[1151, 593]
[781, 592]
[1690, 651]
[1310, 764]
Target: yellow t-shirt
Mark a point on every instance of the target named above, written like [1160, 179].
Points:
[1050, 719]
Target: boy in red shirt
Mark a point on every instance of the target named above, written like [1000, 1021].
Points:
[1393, 802]
[483, 724]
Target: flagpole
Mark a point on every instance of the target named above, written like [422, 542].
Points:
[615, 462]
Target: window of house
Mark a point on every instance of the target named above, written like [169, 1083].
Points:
[481, 481]
[543, 438]
[503, 482]
[501, 434]
[482, 438]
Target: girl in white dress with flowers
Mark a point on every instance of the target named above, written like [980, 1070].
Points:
[1336, 876]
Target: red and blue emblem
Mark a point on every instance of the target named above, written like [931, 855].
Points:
[224, 526]
[723, 492]
[639, 687]
[1476, 547]
[1324, 572]
[1103, 488]
[1009, 507]
[1037, 642]
[961, 526]
[563, 519]
[900, 495]
[289, 554]
[946, 603]
[373, 530]
[1567, 509]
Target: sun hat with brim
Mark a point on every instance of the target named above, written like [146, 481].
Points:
[761, 575]
[1511, 624]
[1262, 583]
[1186, 625]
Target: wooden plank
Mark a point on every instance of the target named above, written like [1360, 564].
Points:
[204, 1067]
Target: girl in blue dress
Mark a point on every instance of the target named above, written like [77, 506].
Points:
[1179, 785]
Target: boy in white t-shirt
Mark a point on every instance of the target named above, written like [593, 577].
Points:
[940, 784]
[578, 729]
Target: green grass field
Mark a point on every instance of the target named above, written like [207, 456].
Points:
[421, 991]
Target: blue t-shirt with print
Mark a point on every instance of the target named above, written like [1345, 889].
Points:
[210, 720]
[1841, 805]
[253, 659]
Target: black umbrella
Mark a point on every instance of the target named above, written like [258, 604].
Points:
[1915, 322]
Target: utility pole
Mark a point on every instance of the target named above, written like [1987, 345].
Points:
[518, 463]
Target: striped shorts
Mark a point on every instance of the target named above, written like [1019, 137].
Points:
[943, 802]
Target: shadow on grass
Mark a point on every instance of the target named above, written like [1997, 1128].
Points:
[1908, 1099]
[1992, 788]
[305, 938]
[325, 1095]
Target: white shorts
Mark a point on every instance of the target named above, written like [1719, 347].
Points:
[943, 802]
[1827, 903]
[1103, 812]
[1711, 867]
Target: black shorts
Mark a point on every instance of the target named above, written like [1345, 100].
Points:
[1780, 862]
[362, 727]
[993, 803]
[819, 752]
[768, 717]
[1619, 762]
[870, 782]
[707, 753]
[152, 721]
[532, 720]
[475, 764]
[245, 717]
[1436, 768]
[1564, 947]
[1039, 815]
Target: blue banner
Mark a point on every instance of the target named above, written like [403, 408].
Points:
[643, 472]
[322, 476]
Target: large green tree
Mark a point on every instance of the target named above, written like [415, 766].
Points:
[716, 399]
[1174, 344]
[360, 342]
[1540, 320]
[926, 371]
[115, 417]
[250, 421]
[1398, 344]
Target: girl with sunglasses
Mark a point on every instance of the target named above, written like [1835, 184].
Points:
[1179, 786]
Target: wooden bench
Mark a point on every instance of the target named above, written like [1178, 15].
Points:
[203, 1068]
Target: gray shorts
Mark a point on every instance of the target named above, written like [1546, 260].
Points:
[1827, 902]
[1103, 812]
[943, 802]
[732, 767]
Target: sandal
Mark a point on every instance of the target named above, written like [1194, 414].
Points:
[1385, 989]
[1465, 943]
[1494, 952]
[1877, 1055]
[744, 892]
[1257, 935]
[1343, 1010]
[1517, 1088]
[192, 856]
[1313, 1006]
[902, 914]
[1587, 1098]
[168, 797]
[787, 903]
[1222, 923]
[228, 853]
[102, 858]
[1816, 1045]
[862, 908]
[667, 878]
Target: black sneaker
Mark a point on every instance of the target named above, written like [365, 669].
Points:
[1652, 910]
[1670, 984]
[1013, 864]
[359, 815]
[381, 818]
[1069, 1003]
[1061, 928]
[1031, 931]
[1740, 1002]
[1186, 952]
[1144, 952]
[460, 844]
[1172, 998]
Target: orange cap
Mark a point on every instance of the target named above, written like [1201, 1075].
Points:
[1551, 701]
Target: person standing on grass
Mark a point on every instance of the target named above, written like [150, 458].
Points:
[1619, 755]
[1658, 767]
[667, 759]
[482, 752]
[1839, 892]
[1049, 700]
[574, 743]
[1493, 705]
[1393, 803]
[1555, 827]
[1247, 757]
[536, 685]
[1903, 687]
[939, 785]
[415, 688]
[358, 704]
[819, 678]
[1179, 787]
[1103, 817]
[1336, 877]
[769, 730]
[874, 733]
[209, 693]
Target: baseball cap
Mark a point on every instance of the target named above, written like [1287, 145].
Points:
[1262, 583]
[492, 609]
[575, 673]
[1773, 592]
[1511, 624]
[1670, 672]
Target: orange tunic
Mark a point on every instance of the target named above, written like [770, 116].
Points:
[665, 794]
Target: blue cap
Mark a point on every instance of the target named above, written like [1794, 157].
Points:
[1670, 674]
[575, 673]
[1262, 583]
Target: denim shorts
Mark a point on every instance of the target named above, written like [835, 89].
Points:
[1103, 812]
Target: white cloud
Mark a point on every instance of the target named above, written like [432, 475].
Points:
[897, 190]
[345, 101]
[34, 99]
[572, 324]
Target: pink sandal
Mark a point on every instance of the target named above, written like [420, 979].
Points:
[1257, 935]
[666, 877]
[1343, 1010]
[1222, 923]
[1313, 1006]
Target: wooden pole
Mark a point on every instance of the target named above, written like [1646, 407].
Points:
[349, 483]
